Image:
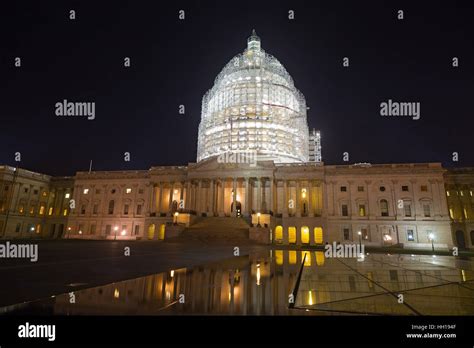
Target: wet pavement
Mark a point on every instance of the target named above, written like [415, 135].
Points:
[262, 283]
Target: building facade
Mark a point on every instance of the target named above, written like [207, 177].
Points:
[256, 160]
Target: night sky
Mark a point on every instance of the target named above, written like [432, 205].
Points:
[175, 62]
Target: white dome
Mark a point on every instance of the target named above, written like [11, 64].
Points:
[254, 108]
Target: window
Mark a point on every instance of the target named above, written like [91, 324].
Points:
[360, 188]
[382, 188]
[97, 191]
[111, 207]
[32, 209]
[384, 207]
[426, 210]
[346, 234]
[361, 209]
[405, 188]
[92, 230]
[139, 209]
[451, 213]
[124, 229]
[410, 236]
[424, 188]
[128, 190]
[18, 227]
[343, 188]
[393, 275]
[65, 212]
[447, 193]
[26, 190]
[407, 207]
[50, 211]
[35, 192]
[83, 209]
[6, 188]
[465, 213]
[137, 230]
[86, 191]
[125, 209]
[344, 210]
[21, 208]
[45, 193]
[462, 193]
[41, 210]
[140, 191]
[67, 195]
[108, 228]
[95, 209]
[365, 234]
[113, 191]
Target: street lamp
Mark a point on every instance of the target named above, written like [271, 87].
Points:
[360, 239]
[115, 229]
[176, 218]
[68, 231]
[258, 220]
[431, 237]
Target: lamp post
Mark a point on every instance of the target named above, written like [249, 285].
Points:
[360, 239]
[176, 218]
[431, 237]
[258, 219]
[115, 229]
[68, 231]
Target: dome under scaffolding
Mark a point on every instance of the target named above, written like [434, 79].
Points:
[254, 108]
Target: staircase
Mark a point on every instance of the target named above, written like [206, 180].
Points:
[220, 229]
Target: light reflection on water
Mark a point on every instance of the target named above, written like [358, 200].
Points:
[260, 284]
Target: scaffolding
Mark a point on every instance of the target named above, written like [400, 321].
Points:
[254, 107]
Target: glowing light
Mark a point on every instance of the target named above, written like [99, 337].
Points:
[86, 191]
[172, 273]
[116, 293]
[258, 274]
[310, 298]
[116, 228]
[80, 232]
[67, 195]
[124, 232]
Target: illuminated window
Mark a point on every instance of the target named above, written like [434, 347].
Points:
[306, 256]
[319, 258]
[65, 212]
[292, 235]
[447, 193]
[32, 209]
[86, 191]
[67, 195]
[292, 257]
[50, 211]
[278, 234]
[279, 257]
[465, 213]
[21, 209]
[451, 213]
[41, 210]
[361, 209]
[305, 235]
[410, 235]
[128, 190]
[462, 193]
[45, 193]
[38, 228]
[318, 235]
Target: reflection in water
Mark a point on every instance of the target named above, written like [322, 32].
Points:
[260, 285]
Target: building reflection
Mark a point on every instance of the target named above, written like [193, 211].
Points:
[260, 285]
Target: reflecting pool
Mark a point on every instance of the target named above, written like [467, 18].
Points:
[280, 283]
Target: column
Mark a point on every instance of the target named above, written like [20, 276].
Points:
[188, 195]
[298, 201]
[170, 199]
[248, 206]
[259, 195]
[181, 197]
[221, 193]
[285, 202]
[270, 198]
[234, 195]
[310, 203]
[152, 207]
[200, 204]
[211, 198]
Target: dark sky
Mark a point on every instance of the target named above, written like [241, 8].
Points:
[174, 62]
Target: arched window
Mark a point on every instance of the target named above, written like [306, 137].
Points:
[384, 207]
[111, 207]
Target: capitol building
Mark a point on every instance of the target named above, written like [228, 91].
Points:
[258, 174]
